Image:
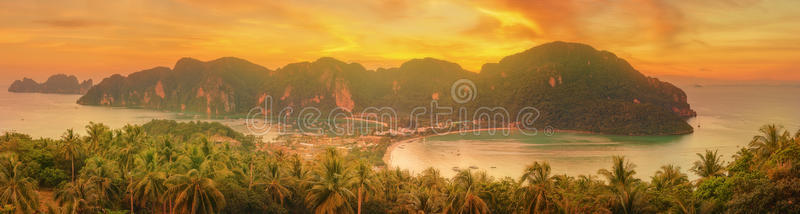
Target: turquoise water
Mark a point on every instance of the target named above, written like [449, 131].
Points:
[728, 117]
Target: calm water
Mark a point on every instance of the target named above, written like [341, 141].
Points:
[728, 117]
[49, 115]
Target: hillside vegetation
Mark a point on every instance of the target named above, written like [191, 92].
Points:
[169, 167]
[572, 85]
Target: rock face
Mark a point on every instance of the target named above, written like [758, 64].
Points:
[57, 84]
[573, 86]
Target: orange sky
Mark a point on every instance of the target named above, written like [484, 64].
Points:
[725, 39]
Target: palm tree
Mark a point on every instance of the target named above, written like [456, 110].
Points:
[101, 175]
[392, 182]
[77, 197]
[669, 176]
[422, 199]
[132, 139]
[71, 147]
[194, 194]
[621, 173]
[468, 183]
[95, 134]
[770, 141]
[627, 192]
[329, 187]
[709, 165]
[148, 185]
[299, 179]
[364, 180]
[432, 177]
[538, 187]
[16, 189]
[276, 183]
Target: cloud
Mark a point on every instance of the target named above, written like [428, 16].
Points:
[583, 20]
[658, 36]
[69, 23]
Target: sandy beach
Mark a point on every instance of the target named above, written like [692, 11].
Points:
[387, 156]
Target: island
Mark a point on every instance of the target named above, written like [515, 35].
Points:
[573, 86]
[56, 84]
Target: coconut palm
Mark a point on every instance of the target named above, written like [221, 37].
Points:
[392, 182]
[77, 197]
[709, 165]
[101, 175]
[329, 186]
[96, 133]
[276, 182]
[772, 139]
[626, 190]
[468, 185]
[148, 189]
[422, 199]
[149, 181]
[132, 139]
[668, 176]
[297, 170]
[432, 177]
[621, 173]
[364, 180]
[71, 147]
[538, 188]
[16, 189]
[249, 169]
[299, 176]
[193, 193]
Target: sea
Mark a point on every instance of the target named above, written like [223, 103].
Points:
[728, 116]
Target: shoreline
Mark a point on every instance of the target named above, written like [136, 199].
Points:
[387, 155]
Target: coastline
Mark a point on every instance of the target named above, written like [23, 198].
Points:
[387, 155]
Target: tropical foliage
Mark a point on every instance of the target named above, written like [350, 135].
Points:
[169, 167]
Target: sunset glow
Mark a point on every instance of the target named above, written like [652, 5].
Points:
[734, 39]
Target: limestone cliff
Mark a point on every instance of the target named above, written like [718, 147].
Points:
[57, 84]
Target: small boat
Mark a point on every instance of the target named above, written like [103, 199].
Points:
[473, 167]
[493, 167]
[455, 168]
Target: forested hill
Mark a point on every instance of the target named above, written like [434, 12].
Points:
[573, 85]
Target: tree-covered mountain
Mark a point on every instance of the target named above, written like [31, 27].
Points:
[59, 84]
[573, 86]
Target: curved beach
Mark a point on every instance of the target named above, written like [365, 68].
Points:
[387, 156]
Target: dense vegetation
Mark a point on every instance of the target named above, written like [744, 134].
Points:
[59, 83]
[169, 167]
[574, 86]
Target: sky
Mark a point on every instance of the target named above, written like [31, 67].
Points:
[719, 39]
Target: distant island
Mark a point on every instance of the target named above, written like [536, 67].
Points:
[56, 84]
[574, 86]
